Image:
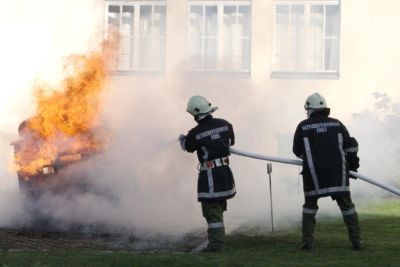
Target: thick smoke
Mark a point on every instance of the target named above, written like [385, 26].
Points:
[144, 182]
[377, 132]
[36, 38]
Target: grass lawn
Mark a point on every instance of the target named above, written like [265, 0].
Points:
[381, 232]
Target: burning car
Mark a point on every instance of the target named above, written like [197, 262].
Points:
[41, 161]
[66, 129]
[58, 148]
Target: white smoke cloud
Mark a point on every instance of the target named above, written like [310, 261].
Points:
[377, 132]
[36, 36]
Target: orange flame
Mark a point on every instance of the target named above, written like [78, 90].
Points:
[67, 120]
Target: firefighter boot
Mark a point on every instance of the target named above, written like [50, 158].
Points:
[213, 212]
[215, 239]
[308, 225]
[353, 228]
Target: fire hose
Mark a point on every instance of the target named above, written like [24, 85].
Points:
[300, 162]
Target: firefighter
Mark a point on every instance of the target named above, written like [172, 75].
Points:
[211, 138]
[328, 152]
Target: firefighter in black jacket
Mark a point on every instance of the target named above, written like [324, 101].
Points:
[328, 153]
[212, 139]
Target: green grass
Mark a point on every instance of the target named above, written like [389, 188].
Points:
[381, 232]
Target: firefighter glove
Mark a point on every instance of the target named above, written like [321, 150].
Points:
[351, 176]
[181, 140]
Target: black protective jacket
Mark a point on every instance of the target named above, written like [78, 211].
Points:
[212, 139]
[328, 153]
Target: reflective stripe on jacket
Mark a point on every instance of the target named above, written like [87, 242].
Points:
[212, 139]
[324, 145]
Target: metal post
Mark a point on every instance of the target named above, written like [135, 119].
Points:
[269, 170]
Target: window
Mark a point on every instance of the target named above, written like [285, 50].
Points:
[306, 38]
[219, 35]
[141, 25]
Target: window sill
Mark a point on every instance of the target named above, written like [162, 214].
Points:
[305, 75]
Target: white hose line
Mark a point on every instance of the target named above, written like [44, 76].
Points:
[268, 158]
[300, 162]
[375, 182]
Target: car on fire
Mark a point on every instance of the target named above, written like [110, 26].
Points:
[38, 174]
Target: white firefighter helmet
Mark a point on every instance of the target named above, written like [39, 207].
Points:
[200, 107]
[315, 101]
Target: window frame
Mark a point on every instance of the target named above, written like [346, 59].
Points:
[219, 37]
[307, 74]
[137, 35]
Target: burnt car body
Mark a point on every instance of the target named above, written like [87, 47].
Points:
[66, 176]
[49, 176]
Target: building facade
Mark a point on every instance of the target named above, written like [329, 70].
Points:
[257, 58]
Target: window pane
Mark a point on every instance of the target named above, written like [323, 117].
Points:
[142, 35]
[223, 33]
[289, 39]
[229, 20]
[145, 41]
[159, 21]
[126, 43]
[245, 19]
[211, 21]
[196, 20]
[297, 18]
[297, 34]
[306, 36]
[236, 53]
[282, 19]
[145, 20]
[151, 53]
[316, 37]
[114, 16]
[127, 21]
[317, 17]
[158, 41]
[332, 21]
[236, 44]
[195, 45]
[281, 37]
[332, 54]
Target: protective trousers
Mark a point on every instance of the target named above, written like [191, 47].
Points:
[213, 213]
[349, 213]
